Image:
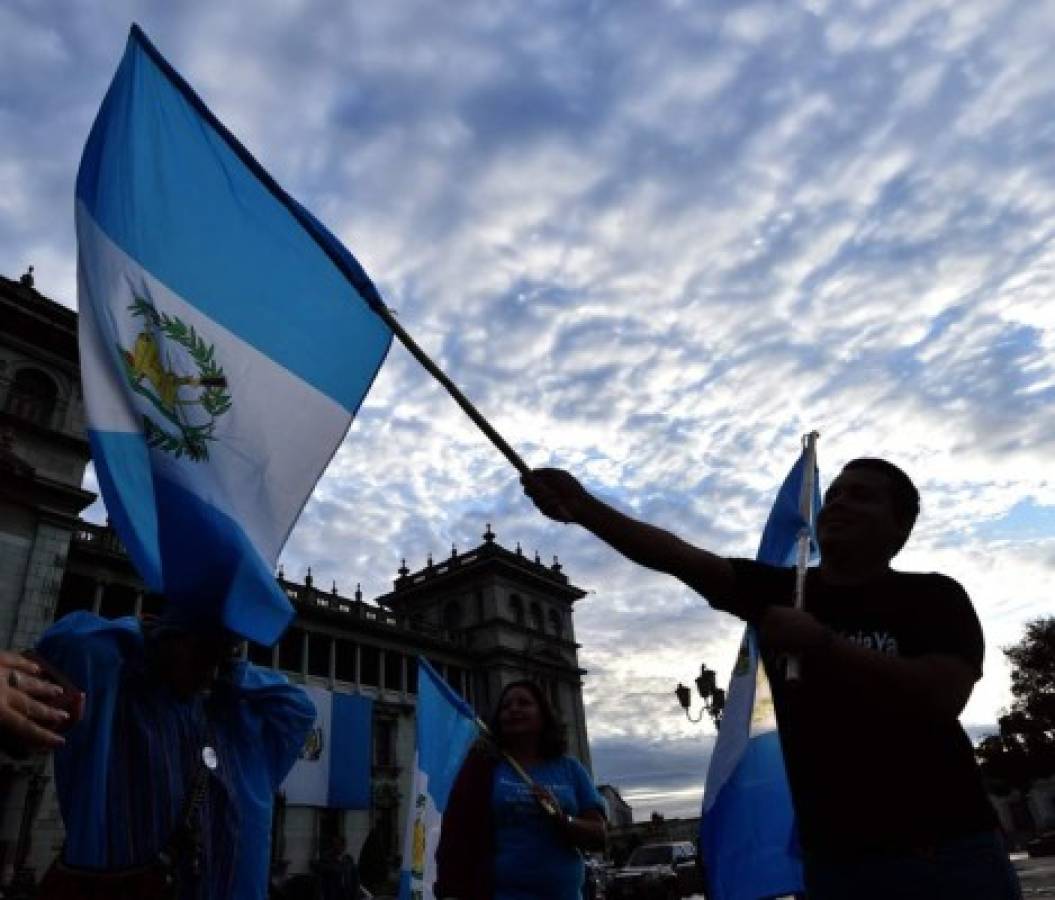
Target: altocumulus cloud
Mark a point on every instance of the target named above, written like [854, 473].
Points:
[655, 244]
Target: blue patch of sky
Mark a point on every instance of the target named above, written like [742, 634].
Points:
[1026, 520]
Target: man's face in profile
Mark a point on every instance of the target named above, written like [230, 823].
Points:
[858, 514]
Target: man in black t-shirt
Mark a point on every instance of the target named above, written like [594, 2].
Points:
[889, 800]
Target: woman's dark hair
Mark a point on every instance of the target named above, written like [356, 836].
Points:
[552, 740]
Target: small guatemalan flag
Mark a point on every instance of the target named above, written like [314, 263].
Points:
[748, 833]
[446, 729]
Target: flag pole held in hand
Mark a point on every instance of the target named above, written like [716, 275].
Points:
[802, 558]
[471, 411]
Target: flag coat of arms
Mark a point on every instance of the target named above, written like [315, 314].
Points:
[747, 833]
[334, 768]
[227, 340]
[446, 729]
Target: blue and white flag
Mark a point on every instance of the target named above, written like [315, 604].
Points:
[334, 769]
[227, 340]
[748, 833]
[446, 729]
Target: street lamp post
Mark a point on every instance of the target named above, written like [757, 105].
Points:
[712, 695]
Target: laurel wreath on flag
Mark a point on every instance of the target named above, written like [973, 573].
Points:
[192, 439]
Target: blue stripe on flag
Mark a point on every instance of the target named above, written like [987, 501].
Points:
[765, 860]
[179, 543]
[446, 729]
[351, 741]
[779, 537]
[200, 545]
[180, 195]
[122, 466]
[183, 547]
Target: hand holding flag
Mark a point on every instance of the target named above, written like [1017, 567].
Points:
[789, 630]
[557, 494]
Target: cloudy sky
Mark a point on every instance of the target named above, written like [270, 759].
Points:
[655, 243]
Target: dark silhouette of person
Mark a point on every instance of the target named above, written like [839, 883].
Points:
[887, 793]
[337, 872]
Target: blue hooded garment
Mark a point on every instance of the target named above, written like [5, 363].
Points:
[122, 775]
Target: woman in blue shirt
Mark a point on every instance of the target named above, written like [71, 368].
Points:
[503, 839]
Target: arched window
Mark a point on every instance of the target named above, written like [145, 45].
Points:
[536, 617]
[516, 607]
[32, 397]
[452, 616]
[554, 623]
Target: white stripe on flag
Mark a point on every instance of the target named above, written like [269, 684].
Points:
[308, 782]
[420, 841]
[272, 414]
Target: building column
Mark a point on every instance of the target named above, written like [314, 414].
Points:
[333, 663]
[39, 596]
[97, 597]
[380, 670]
[579, 712]
[358, 655]
[304, 655]
[139, 604]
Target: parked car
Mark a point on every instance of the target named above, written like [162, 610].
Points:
[658, 872]
[1042, 845]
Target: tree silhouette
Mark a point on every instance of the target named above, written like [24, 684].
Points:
[1024, 749]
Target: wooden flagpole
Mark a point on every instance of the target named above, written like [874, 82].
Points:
[471, 411]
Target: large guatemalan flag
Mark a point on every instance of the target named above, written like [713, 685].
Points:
[227, 340]
[446, 729]
[748, 833]
[334, 766]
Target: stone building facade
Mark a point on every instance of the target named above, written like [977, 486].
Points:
[620, 813]
[483, 617]
[43, 455]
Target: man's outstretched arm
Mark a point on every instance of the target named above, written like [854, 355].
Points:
[561, 497]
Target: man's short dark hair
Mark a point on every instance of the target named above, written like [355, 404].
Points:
[903, 493]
